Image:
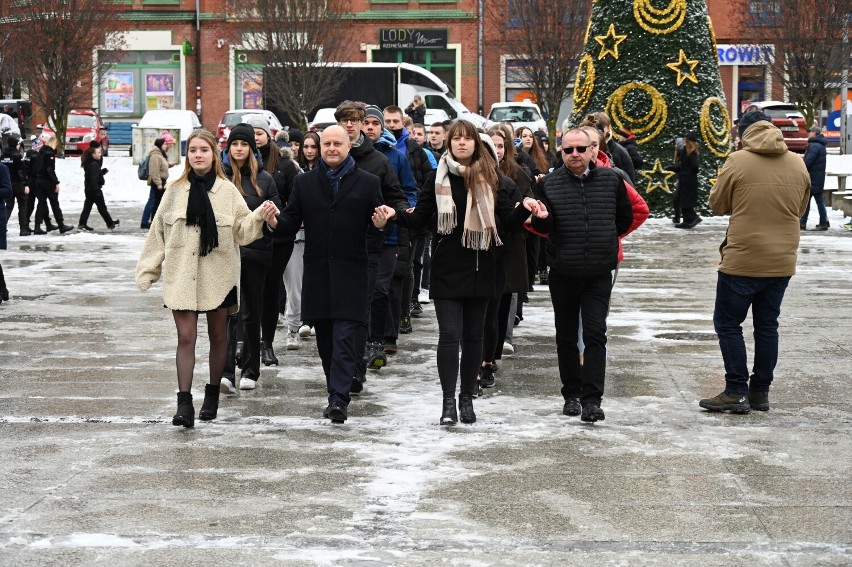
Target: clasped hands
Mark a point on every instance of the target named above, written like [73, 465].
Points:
[270, 213]
[384, 213]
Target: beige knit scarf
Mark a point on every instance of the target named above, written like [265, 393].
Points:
[480, 230]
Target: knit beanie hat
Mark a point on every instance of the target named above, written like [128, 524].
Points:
[296, 135]
[244, 132]
[375, 112]
[259, 121]
[282, 139]
[750, 118]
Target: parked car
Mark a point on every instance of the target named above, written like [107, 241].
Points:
[789, 120]
[184, 120]
[435, 115]
[234, 117]
[322, 120]
[519, 114]
[83, 128]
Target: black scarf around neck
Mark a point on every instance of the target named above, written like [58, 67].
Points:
[199, 211]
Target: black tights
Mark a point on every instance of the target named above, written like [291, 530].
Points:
[460, 321]
[187, 330]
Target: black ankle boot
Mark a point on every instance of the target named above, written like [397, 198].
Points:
[267, 355]
[466, 408]
[211, 403]
[185, 412]
[238, 355]
[448, 413]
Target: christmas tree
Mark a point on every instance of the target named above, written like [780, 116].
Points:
[652, 65]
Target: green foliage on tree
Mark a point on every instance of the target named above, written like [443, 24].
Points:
[652, 65]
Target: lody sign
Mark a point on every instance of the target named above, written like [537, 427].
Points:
[413, 38]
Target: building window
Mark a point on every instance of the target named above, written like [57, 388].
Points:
[764, 13]
[139, 81]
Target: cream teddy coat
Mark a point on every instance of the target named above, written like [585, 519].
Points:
[192, 282]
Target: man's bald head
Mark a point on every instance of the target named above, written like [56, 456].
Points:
[334, 146]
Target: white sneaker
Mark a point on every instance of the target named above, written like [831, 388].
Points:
[424, 296]
[227, 387]
[293, 341]
[508, 349]
[305, 331]
[282, 322]
[247, 384]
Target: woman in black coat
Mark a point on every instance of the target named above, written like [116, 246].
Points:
[417, 110]
[256, 259]
[464, 273]
[686, 166]
[93, 183]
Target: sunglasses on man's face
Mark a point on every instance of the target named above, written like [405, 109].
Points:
[570, 149]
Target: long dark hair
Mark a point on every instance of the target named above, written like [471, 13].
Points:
[303, 161]
[508, 166]
[482, 164]
[88, 155]
[536, 151]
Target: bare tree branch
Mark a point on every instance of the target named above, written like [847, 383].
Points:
[546, 37]
[56, 41]
[809, 50]
[300, 43]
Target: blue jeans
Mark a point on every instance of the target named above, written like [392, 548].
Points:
[149, 207]
[823, 215]
[734, 295]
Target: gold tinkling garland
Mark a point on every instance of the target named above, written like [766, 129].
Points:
[584, 84]
[654, 20]
[609, 42]
[657, 176]
[712, 36]
[680, 65]
[645, 127]
[717, 140]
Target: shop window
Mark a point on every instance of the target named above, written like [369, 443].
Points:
[139, 81]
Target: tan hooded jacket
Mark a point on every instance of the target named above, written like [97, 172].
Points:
[765, 188]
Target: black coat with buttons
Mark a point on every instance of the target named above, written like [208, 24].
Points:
[334, 284]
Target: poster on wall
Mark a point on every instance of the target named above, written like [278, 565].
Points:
[118, 93]
[253, 91]
[159, 91]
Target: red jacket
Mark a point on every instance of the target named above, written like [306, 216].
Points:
[640, 207]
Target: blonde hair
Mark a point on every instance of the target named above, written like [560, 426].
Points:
[49, 140]
[214, 147]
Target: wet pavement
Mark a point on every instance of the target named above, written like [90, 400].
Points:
[93, 472]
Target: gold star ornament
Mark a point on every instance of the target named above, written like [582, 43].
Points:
[609, 42]
[657, 177]
[680, 67]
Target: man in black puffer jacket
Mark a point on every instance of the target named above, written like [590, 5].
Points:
[589, 209]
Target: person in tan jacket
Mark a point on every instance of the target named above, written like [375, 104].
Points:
[765, 189]
[158, 168]
[194, 245]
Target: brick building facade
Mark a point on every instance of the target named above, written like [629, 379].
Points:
[160, 68]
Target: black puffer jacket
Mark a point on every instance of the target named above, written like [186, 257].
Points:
[586, 218]
[45, 167]
[93, 177]
[12, 160]
[260, 250]
[372, 161]
[621, 159]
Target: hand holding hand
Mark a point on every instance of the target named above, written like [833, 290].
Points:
[381, 216]
[270, 213]
[536, 207]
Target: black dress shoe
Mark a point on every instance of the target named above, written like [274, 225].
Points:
[572, 407]
[267, 354]
[26, 232]
[38, 230]
[682, 225]
[63, 228]
[337, 413]
[51, 227]
[695, 222]
[356, 388]
[325, 411]
[85, 227]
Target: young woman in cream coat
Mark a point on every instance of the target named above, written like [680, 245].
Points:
[194, 244]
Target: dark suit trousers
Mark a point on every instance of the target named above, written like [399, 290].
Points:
[570, 295]
[336, 347]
